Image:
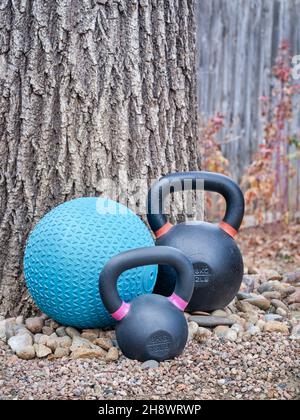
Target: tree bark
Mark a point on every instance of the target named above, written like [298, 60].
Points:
[89, 90]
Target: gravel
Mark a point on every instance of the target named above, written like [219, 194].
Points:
[255, 368]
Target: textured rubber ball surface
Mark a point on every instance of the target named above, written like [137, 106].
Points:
[67, 250]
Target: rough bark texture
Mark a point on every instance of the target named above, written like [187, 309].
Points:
[88, 90]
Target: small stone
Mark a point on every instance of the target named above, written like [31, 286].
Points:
[293, 277]
[201, 313]
[294, 297]
[219, 312]
[281, 312]
[260, 324]
[104, 343]
[61, 352]
[112, 355]
[295, 335]
[27, 353]
[243, 295]
[54, 342]
[271, 286]
[72, 332]
[20, 320]
[61, 332]
[17, 342]
[275, 326]
[202, 334]
[193, 327]
[150, 364]
[279, 304]
[211, 321]
[79, 342]
[231, 335]
[260, 301]
[271, 295]
[51, 323]
[221, 331]
[89, 335]
[244, 306]
[41, 350]
[237, 328]
[87, 353]
[37, 337]
[47, 330]
[248, 284]
[272, 317]
[34, 324]
[271, 274]
[253, 330]
[221, 382]
[237, 319]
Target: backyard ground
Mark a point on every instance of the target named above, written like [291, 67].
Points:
[257, 358]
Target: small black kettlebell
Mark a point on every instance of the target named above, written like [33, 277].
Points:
[150, 326]
[216, 258]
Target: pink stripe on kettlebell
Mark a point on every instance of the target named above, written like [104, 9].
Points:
[178, 302]
[121, 312]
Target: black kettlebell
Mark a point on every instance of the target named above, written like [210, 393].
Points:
[216, 258]
[150, 326]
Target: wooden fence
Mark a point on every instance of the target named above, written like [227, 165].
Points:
[237, 45]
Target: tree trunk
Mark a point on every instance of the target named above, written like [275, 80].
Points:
[89, 90]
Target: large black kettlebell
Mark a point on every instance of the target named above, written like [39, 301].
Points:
[150, 326]
[216, 258]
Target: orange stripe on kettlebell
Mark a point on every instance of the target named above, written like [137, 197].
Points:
[228, 229]
[163, 230]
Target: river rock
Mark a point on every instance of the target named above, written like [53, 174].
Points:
[279, 304]
[72, 332]
[47, 330]
[87, 353]
[54, 342]
[272, 295]
[275, 326]
[20, 320]
[294, 297]
[295, 334]
[238, 328]
[243, 295]
[219, 312]
[221, 330]
[112, 355]
[211, 321]
[61, 352]
[248, 283]
[202, 334]
[22, 346]
[260, 301]
[51, 323]
[253, 330]
[150, 364]
[293, 277]
[34, 324]
[281, 312]
[270, 286]
[272, 317]
[89, 335]
[104, 343]
[193, 327]
[244, 306]
[271, 274]
[41, 350]
[61, 331]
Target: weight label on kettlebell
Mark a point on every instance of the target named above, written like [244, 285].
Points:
[159, 343]
[202, 273]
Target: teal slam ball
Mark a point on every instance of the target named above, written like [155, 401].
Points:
[65, 254]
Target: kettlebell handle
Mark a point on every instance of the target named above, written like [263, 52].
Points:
[214, 182]
[140, 257]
